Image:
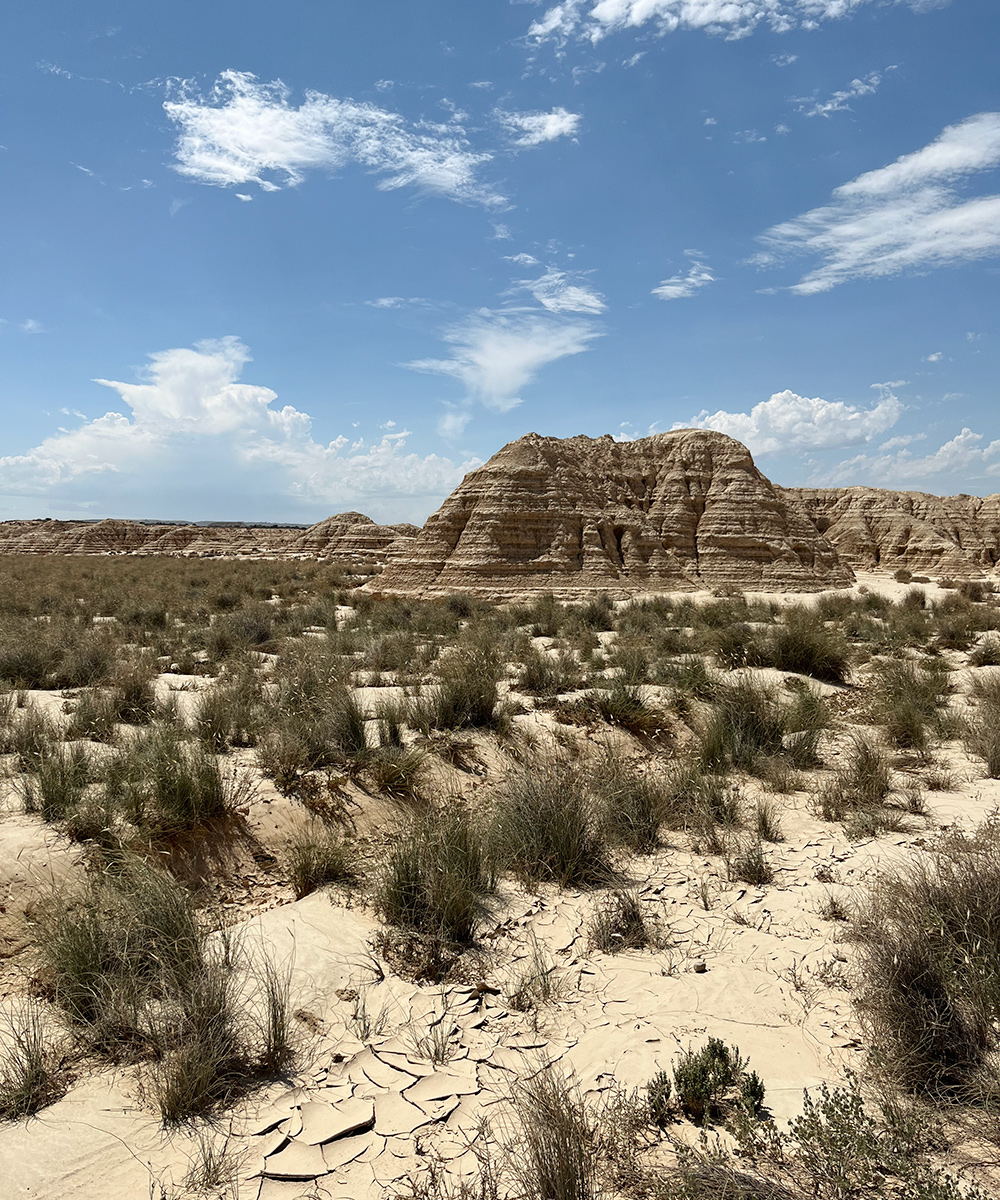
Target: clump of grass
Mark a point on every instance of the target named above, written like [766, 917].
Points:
[316, 857]
[767, 823]
[229, 712]
[928, 940]
[804, 645]
[619, 923]
[30, 735]
[982, 728]
[907, 701]
[625, 704]
[632, 804]
[57, 787]
[543, 674]
[536, 983]
[437, 879]
[545, 826]
[559, 1142]
[29, 1077]
[745, 724]
[986, 653]
[749, 863]
[396, 771]
[128, 961]
[862, 785]
[170, 782]
[467, 695]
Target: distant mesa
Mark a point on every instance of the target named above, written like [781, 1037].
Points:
[348, 539]
[676, 511]
[680, 510]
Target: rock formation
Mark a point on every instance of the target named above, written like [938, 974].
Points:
[348, 539]
[877, 529]
[683, 510]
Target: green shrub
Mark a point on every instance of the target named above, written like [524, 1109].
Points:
[61, 779]
[625, 704]
[396, 772]
[658, 1091]
[631, 805]
[705, 1079]
[805, 646]
[907, 701]
[748, 862]
[229, 712]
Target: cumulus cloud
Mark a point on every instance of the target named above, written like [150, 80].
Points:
[907, 216]
[841, 101]
[792, 423]
[534, 128]
[965, 456]
[191, 419]
[247, 131]
[679, 287]
[557, 292]
[497, 353]
[594, 20]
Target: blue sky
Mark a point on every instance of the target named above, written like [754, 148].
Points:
[272, 262]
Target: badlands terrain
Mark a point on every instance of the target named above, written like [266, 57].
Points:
[628, 831]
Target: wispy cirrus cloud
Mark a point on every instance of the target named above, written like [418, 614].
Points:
[594, 20]
[908, 216]
[533, 128]
[564, 292]
[191, 418]
[840, 101]
[246, 131]
[679, 287]
[788, 422]
[495, 353]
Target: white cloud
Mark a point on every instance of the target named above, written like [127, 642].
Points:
[245, 131]
[453, 423]
[395, 301]
[711, 121]
[841, 101]
[496, 353]
[244, 196]
[556, 291]
[522, 260]
[679, 287]
[784, 60]
[935, 357]
[30, 325]
[534, 128]
[192, 419]
[962, 458]
[593, 20]
[792, 423]
[906, 216]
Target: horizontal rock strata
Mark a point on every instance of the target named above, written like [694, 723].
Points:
[680, 510]
[348, 538]
[877, 529]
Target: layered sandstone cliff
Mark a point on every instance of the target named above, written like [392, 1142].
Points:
[877, 529]
[686, 509]
[348, 538]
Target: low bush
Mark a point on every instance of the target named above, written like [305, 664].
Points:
[709, 1079]
[59, 783]
[982, 729]
[907, 700]
[626, 705]
[558, 1140]
[229, 712]
[631, 805]
[396, 771]
[804, 645]
[986, 653]
[748, 862]
[546, 827]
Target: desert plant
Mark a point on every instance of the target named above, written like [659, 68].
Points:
[626, 705]
[658, 1091]
[559, 1143]
[767, 823]
[631, 805]
[805, 646]
[862, 784]
[59, 782]
[705, 1079]
[982, 731]
[928, 941]
[907, 700]
[748, 862]
[437, 879]
[746, 723]
[229, 712]
[619, 923]
[29, 1077]
[316, 857]
[396, 772]
[467, 694]
[536, 982]
[986, 653]
[544, 826]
